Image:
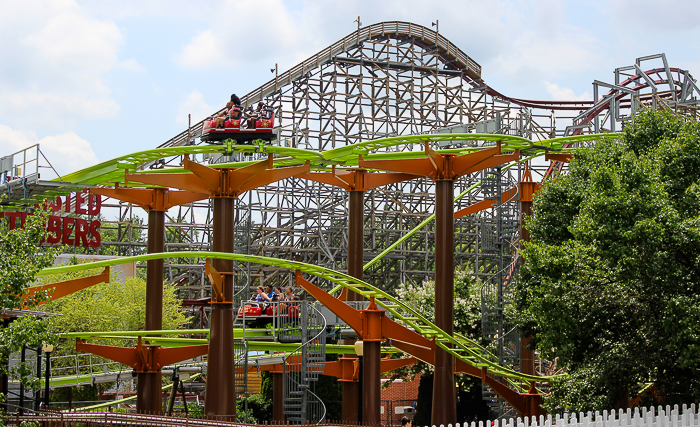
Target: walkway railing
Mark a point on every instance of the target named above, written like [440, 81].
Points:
[685, 416]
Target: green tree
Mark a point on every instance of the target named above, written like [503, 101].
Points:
[116, 306]
[467, 321]
[21, 258]
[611, 280]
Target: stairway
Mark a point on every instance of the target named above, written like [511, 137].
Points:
[303, 366]
[499, 232]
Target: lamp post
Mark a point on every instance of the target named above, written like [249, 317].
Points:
[48, 348]
[360, 351]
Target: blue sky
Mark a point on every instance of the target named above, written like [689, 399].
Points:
[92, 80]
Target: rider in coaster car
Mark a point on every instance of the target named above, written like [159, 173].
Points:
[221, 117]
[236, 101]
[271, 294]
[253, 116]
[235, 113]
[261, 296]
[266, 112]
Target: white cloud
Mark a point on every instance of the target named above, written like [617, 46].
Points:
[203, 50]
[565, 94]
[516, 41]
[650, 16]
[193, 104]
[66, 151]
[54, 60]
[132, 65]
[242, 32]
[544, 44]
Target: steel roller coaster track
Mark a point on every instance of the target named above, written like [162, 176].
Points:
[349, 101]
[462, 348]
[112, 171]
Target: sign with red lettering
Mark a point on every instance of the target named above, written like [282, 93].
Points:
[65, 228]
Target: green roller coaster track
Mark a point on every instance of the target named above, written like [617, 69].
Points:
[112, 171]
[463, 348]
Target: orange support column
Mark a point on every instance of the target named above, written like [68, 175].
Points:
[277, 398]
[372, 338]
[356, 182]
[221, 390]
[444, 169]
[351, 388]
[224, 185]
[155, 201]
[444, 392]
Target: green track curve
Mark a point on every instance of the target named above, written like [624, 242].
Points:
[463, 348]
[109, 172]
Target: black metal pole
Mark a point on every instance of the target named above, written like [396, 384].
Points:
[46, 380]
[21, 385]
[5, 379]
[37, 399]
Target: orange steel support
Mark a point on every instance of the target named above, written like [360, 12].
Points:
[217, 282]
[558, 157]
[444, 169]
[527, 404]
[346, 370]
[349, 371]
[357, 181]
[150, 199]
[401, 337]
[417, 346]
[528, 188]
[224, 185]
[220, 182]
[484, 204]
[156, 201]
[143, 358]
[61, 289]
[444, 166]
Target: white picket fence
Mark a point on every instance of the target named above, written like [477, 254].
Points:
[686, 416]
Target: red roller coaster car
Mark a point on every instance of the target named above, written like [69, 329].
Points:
[263, 315]
[236, 126]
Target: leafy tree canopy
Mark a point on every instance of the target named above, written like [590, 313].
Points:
[467, 321]
[21, 258]
[116, 306]
[611, 280]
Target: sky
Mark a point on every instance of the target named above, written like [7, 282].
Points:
[93, 80]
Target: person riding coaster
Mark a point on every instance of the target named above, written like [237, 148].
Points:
[229, 124]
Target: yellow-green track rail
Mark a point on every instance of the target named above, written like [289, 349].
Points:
[462, 348]
[112, 171]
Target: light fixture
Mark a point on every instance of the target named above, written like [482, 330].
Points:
[359, 348]
[48, 348]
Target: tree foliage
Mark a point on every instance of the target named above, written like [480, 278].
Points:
[611, 281]
[116, 306]
[21, 258]
[467, 321]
